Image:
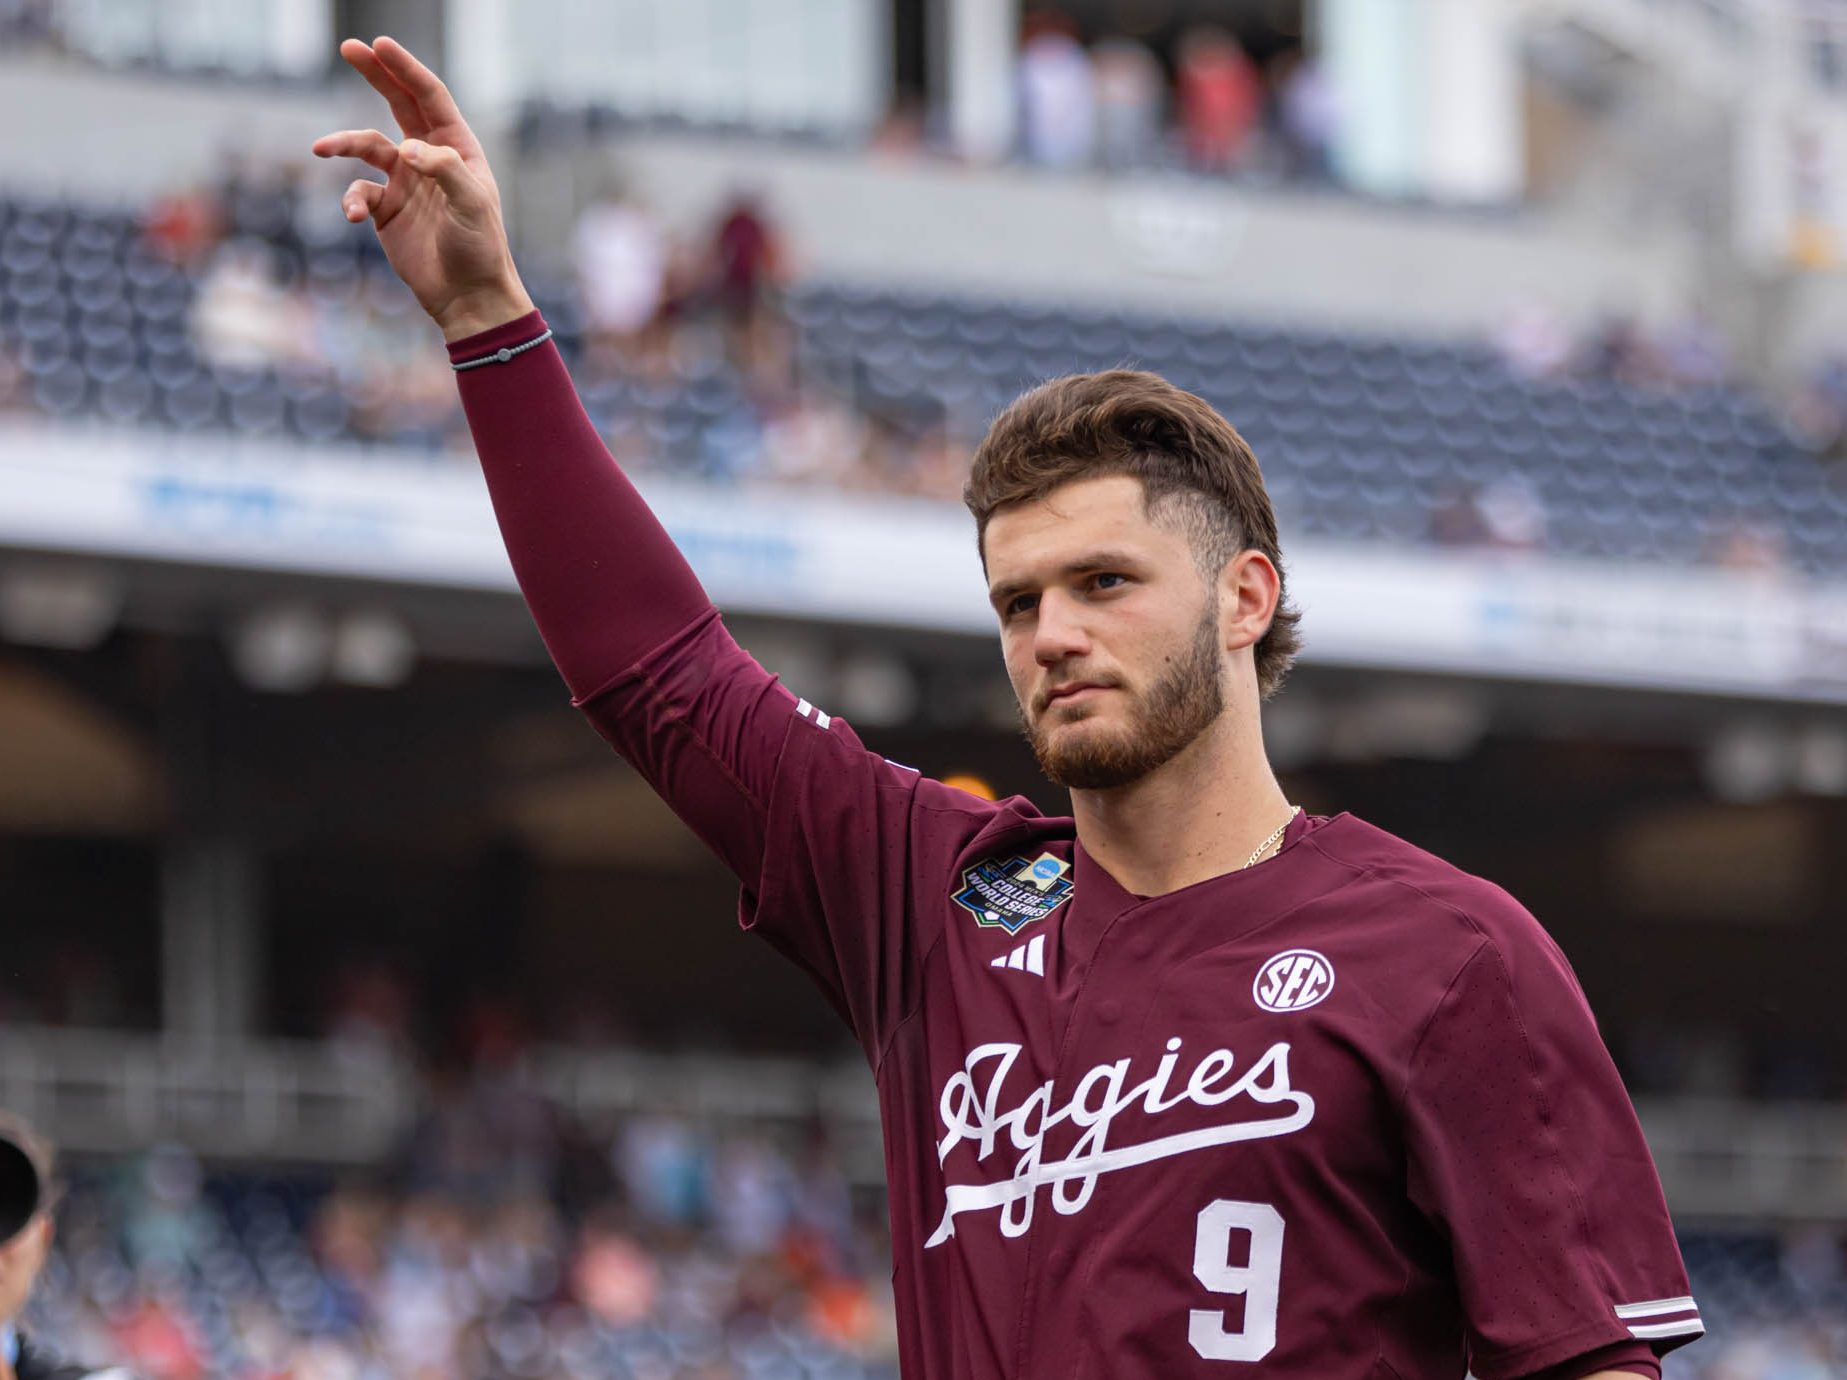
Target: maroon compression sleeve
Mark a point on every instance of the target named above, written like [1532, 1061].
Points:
[604, 581]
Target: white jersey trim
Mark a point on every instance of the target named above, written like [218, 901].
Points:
[813, 715]
[1686, 1327]
[1654, 1308]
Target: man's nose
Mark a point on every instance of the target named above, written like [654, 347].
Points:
[1059, 632]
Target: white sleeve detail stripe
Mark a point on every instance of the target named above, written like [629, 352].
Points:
[1654, 1308]
[1686, 1327]
[820, 720]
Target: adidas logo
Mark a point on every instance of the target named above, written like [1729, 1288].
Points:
[1027, 958]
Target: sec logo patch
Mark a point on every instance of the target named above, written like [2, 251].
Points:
[1294, 980]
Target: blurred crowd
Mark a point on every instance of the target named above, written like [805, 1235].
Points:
[1691, 352]
[504, 1243]
[1775, 1307]
[251, 306]
[682, 326]
[1798, 1349]
[1207, 105]
[1818, 410]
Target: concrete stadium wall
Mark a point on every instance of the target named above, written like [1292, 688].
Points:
[122, 138]
[1162, 241]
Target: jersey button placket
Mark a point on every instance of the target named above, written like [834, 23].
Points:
[1095, 1021]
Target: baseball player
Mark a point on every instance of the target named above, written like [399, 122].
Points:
[1188, 1083]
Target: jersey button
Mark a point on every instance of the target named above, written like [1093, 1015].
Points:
[1141, 945]
[1109, 1011]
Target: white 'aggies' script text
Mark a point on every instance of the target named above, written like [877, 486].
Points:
[971, 1111]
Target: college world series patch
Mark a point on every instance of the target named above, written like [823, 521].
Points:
[1014, 893]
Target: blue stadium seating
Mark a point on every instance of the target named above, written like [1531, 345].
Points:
[1360, 438]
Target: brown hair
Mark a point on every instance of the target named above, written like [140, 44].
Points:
[1189, 459]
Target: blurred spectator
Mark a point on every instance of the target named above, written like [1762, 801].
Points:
[1515, 514]
[903, 132]
[369, 1014]
[1534, 342]
[244, 317]
[1129, 104]
[612, 1275]
[1457, 520]
[1818, 411]
[666, 1167]
[1308, 117]
[1219, 96]
[1536, 345]
[743, 277]
[184, 227]
[621, 259]
[1058, 97]
[753, 1195]
[165, 1222]
[262, 201]
[153, 1339]
[15, 386]
[1505, 515]
[1742, 545]
[812, 441]
[1619, 350]
[1693, 353]
[746, 260]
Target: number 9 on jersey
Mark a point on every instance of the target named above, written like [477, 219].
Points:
[1258, 1279]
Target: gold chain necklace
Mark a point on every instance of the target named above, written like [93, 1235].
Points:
[1268, 843]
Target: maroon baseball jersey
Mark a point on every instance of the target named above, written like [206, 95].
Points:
[1343, 1115]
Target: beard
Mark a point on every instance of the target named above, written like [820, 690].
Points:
[1181, 705]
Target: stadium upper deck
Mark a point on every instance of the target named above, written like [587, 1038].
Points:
[1374, 439]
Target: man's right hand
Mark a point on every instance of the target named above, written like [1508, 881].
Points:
[438, 213]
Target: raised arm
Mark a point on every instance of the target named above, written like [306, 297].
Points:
[603, 580]
[438, 211]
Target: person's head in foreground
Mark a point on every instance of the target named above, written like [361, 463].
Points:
[1132, 560]
[26, 1167]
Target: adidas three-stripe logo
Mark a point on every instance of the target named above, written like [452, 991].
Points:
[1027, 958]
[813, 715]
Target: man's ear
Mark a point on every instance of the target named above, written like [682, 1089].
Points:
[1249, 588]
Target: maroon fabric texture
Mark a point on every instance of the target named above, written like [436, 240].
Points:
[1344, 1115]
[1631, 1358]
[603, 579]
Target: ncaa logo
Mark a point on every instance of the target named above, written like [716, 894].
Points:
[1294, 980]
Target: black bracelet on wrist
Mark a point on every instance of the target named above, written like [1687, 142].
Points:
[504, 353]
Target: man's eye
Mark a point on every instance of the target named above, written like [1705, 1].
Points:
[1021, 603]
[1108, 580]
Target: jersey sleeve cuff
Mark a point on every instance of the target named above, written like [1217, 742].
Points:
[515, 332]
